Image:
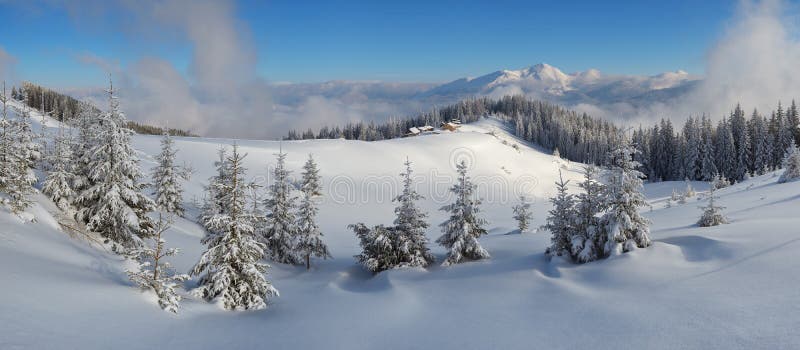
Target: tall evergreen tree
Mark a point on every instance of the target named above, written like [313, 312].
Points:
[708, 165]
[624, 228]
[230, 267]
[281, 234]
[462, 230]
[309, 235]
[588, 206]
[58, 184]
[741, 143]
[14, 180]
[791, 163]
[167, 178]
[114, 205]
[85, 141]
[410, 225]
[214, 201]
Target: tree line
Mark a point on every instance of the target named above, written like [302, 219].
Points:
[577, 136]
[65, 108]
[735, 148]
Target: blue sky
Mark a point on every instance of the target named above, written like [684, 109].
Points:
[420, 41]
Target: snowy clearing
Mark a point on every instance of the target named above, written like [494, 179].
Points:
[729, 286]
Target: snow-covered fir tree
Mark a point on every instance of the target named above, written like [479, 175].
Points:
[85, 141]
[561, 220]
[232, 273]
[623, 227]
[712, 213]
[12, 169]
[154, 272]
[29, 148]
[463, 228]
[791, 164]
[589, 204]
[115, 205]
[720, 181]
[741, 142]
[167, 178]
[58, 184]
[689, 192]
[708, 166]
[759, 144]
[378, 251]
[214, 202]
[523, 215]
[281, 233]
[410, 225]
[309, 236]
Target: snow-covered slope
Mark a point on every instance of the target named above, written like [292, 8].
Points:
[707, 288]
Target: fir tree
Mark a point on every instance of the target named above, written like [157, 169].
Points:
[281, 234]
[378, 251]
[309, 236]
[230, 267]
[85, 141]
[153, 272]
[523, 214]
[167, 178]
[13, 169]
[114, 205]
[712, 214]
[708, 165]
[214, 202]
[462, 230]
[58, 184]
[791, 163]
[623, 226]
[410, 225]
[588, 206]
[561, 221]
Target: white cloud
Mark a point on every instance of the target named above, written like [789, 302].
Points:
[7, 63]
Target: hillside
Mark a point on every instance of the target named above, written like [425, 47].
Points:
[711, 288]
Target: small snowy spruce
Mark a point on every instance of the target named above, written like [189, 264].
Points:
[522, 213]
[167, 178]
[410, 225]
[791, 164]
[309, 236]
[689, 192]
[561, 221]
[378, 251]
[281, 233]
[463, 228]
[624, 228]
[154, 273]
[58, 184]
[114, 205]
[712, 213]
[720, 182]
[232, 273]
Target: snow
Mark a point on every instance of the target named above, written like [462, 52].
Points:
[732, 286]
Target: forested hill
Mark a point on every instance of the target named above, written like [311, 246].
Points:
[63, 107]
[577, 136]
